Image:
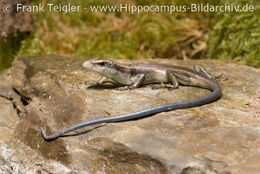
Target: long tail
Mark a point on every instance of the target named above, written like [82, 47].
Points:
[214, 95]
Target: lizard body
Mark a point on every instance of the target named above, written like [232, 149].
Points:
[135, 75]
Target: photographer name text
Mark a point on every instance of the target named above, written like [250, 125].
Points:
[48, 7]
[132, 9]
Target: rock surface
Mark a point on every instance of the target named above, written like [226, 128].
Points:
[49, 91]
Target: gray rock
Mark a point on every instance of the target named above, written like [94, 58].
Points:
[49, 91]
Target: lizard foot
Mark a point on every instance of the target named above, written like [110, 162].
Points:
[163, 85]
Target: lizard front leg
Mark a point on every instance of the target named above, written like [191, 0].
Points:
[138, 82]
[98, 82]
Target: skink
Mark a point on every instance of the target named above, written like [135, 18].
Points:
[132, 76]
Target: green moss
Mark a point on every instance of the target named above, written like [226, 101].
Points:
[235, 36]
[147, 35]
[33, 46]
[9, 47]
[117, 35]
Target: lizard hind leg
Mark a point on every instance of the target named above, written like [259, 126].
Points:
[202, 71]
[217, 77]
[163, 85]
[171, 84]
[172, 79]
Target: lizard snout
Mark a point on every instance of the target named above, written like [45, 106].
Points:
[87, 64]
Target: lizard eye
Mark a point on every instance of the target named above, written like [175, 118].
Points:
[102, 63]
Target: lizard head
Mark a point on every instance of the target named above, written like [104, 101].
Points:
[102, 66]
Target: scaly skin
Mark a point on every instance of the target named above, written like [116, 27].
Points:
[135, 75]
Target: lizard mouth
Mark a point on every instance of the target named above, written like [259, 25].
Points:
[87, 64]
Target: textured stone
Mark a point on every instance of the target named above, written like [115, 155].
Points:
[49, 91]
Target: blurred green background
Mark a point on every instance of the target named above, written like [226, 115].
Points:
[195, 35]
